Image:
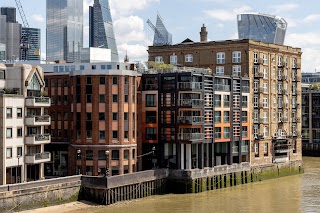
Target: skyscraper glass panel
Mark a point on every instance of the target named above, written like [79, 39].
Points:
[101, 28]
[33, 37]
[64, 30]
[262, 27]
[161, 35]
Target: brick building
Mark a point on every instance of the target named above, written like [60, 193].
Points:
[275, 89]
[93, 110]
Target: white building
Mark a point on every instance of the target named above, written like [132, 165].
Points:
[23, 112]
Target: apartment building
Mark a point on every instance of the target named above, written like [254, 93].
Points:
[24, 115]
[93, 109]
[195, 118]
[274, 74]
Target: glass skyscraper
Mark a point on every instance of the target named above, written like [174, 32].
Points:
[33, 37]
[101, 32]
[262, 27]
[64, 30]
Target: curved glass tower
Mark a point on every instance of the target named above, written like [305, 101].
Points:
[101, 28]
[262, 27]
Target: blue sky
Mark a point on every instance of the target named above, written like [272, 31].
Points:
[183, 18]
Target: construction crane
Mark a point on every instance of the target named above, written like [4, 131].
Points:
[26, 40]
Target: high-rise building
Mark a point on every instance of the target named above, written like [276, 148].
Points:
[262, 27]
[101, 32]
[2, 52]
[10, 12]
[274, 102]
[161, 34]
[64, 30]
[33, 37]
[24, 117]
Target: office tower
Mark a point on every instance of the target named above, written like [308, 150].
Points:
[101, 32]
[262, 27]
[2, 52]
[33, 37]
[64, 30]
[274, 101]
[161, 34]
[10, 12]
[24, 117]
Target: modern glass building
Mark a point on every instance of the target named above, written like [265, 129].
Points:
[34, 40]
[262, 27]
[64, 30]
[161, 34]
[10, 12]
[101, 32]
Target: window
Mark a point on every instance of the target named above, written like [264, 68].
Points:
[188, 58]
[245, 101]
[115, 134]
[9, 152]
[115, 154]
[114, 116]
[244, 131]
[65, 116]
[265, 73]
[173, 59]
[126, 154]
[114, 80]
[81, 67]
[217, 116]
[89, 134]
[9, 132]
[220, 70]
[226, 116]
[102, 98]
[94, 67]
[265, 149]
[126, 98]
[265, 102]
[158, 59]
[255, 101]
[217, 132]
[102, 116]
[255, 57]
[19, 131]
[220, 58]
[151, 116]
[126, 134]
[125, 116]
[217, 100]
[19, 151]
[114, 98]
[226, 100]
[89, 155]
[89, 98]
[102, 155]
[102, 79]
[236, 70]
[102, 135]
[256, 149]
[226, 132]
[19, 112]
[9, 112]
[59, 116]
[89, 81]
[244, 116]
[150, 100]
[265, 131]
[151, 134]
[89, 116]
[265, 59]
[236, 57]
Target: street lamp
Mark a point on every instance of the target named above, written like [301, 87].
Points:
[79, 157]
[107, 163]
[154, 160]
[18, 156]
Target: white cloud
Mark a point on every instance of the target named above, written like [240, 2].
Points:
[37, 18]
[302, 39]
[129, 29]
[284, 7]
[227, 15]
[136, 52]
[311, 18]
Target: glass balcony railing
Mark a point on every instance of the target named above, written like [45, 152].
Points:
[190, 119]
[190, 85]
[191, 102]
[190, 136]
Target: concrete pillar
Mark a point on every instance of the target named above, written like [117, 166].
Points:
[41, 171]
[23, 175]
[188, 156]
[182, 156]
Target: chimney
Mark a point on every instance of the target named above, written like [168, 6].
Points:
[203, 33]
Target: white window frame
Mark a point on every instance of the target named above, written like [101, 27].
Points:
[265, 87]
[265, 73]
[9, 154]
[265, 148]
[221, 58]
[220, 70]
[265, 59]
[173, 59]
[158, 59]
[236, 70]
[265, 131]
[265, 102]
[236, 57]
[255, 86]
[9, 132]
[188, 58]
[255, 57]
[256, 148]
[255, 101]
[280, 60]
[255, 116]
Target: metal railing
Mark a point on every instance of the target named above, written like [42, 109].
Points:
[190, 85]
[191, 102]
[220, 87]
[42, 100]
[190, 119]
[42, 137]
[190, 136]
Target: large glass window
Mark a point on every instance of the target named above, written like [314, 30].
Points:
[150, 100]
[188, 58]
[217, 132]
[173, 59]
[236, 57]
[151, 134]
[220, 70]
[220, 58]
[226, 132]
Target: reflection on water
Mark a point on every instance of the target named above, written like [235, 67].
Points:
[299, 193]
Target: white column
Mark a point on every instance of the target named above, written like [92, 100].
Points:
[188, 156]
[182, 156]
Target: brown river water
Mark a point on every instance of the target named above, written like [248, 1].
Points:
[299, 193]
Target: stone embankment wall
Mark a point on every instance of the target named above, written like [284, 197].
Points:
[30, 195]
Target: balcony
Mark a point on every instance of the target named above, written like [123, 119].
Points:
[191, 102]
[190, 136]
[190, 85]
[220, 87]
[37, 139]
[190, 119]
[37, 158]
[38, 102]
[37, 120]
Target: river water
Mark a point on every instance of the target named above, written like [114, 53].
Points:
[299, 193]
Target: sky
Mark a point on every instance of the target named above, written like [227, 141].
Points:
[184, 18]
